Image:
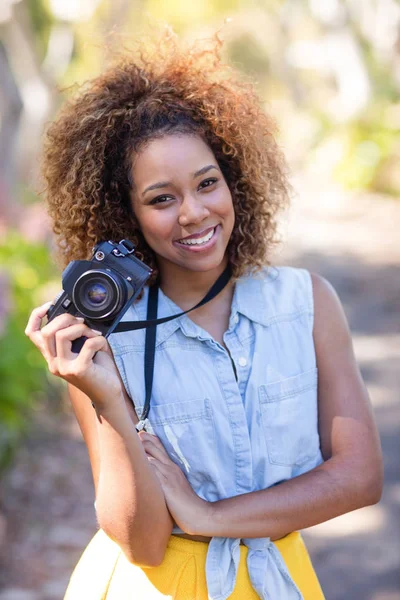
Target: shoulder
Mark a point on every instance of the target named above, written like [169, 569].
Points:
[323, 292]
[283, 293]
[274, 295]
[330, 321]
[278, 292]
[277, 277]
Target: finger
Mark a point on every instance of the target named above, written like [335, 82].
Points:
[158, 469]
[155, 450]
[65, 337]
[49, 331]
[35, 320]
[146, 435]
[153, 439]
[89, 349]
[103, 359]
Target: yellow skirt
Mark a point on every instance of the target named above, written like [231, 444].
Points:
[103, 572]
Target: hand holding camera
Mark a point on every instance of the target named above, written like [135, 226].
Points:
[95, 296]
[92, 370]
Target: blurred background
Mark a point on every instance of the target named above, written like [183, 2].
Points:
[330, 73]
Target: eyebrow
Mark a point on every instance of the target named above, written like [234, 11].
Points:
[164, 184]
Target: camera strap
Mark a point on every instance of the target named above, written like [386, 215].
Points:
[151, 326]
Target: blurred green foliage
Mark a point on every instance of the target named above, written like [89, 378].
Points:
[23, 371]
[186, 15]
[42, 20]
[369, 149]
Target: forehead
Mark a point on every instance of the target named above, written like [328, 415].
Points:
[176, 154]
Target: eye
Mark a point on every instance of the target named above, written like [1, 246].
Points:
[160, 200]
[207, 182]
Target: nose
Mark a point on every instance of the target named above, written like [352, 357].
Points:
[192, 210]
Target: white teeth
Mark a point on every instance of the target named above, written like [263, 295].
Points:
[198, 241]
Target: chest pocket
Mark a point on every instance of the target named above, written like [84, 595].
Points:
[186, 430]
[290, 419]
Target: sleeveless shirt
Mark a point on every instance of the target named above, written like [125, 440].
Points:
[234, 422]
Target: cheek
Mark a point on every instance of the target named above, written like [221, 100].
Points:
[229, 212]
[156, 227]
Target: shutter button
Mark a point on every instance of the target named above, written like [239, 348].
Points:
[242, 361]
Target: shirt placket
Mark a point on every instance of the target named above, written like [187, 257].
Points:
[232, 391]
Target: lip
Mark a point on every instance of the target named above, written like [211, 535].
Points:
[195, 236]
[203, 247]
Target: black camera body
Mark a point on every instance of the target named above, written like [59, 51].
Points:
[101, 289]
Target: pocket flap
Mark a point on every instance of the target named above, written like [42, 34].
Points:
[178, 412]
[292, 386]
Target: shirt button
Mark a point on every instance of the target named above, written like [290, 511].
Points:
[236, 319]
[242, 361]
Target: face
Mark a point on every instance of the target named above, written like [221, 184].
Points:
[182, 203]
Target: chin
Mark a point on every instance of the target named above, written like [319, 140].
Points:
[204, 263]
[201, 266]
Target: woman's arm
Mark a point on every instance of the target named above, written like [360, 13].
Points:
[351, 476]
[130, 503]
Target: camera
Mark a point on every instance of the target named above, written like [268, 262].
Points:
[101, 289]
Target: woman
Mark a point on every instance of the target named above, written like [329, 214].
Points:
[245, 444]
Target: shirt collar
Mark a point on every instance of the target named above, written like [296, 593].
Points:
[251, 295]
[165, 308]
[249, 299]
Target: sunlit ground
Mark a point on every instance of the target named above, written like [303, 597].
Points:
[352, 240]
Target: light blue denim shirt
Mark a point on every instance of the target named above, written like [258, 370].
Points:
[234, 430]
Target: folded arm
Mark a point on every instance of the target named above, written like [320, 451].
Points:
[350, 478]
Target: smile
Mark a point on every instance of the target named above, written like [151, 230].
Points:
[199, 240]
[199, 244]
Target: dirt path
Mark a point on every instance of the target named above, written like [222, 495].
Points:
[354, 242]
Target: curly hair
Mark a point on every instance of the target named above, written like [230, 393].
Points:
[165, 87]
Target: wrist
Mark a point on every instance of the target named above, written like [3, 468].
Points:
[108, 407]
[204, 523]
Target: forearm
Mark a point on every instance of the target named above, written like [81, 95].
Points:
[317, 496]
[130, 503]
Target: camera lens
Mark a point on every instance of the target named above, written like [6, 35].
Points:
[98, 294]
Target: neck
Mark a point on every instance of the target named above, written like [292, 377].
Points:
[184, 286]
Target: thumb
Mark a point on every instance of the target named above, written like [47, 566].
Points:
[90, 349]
